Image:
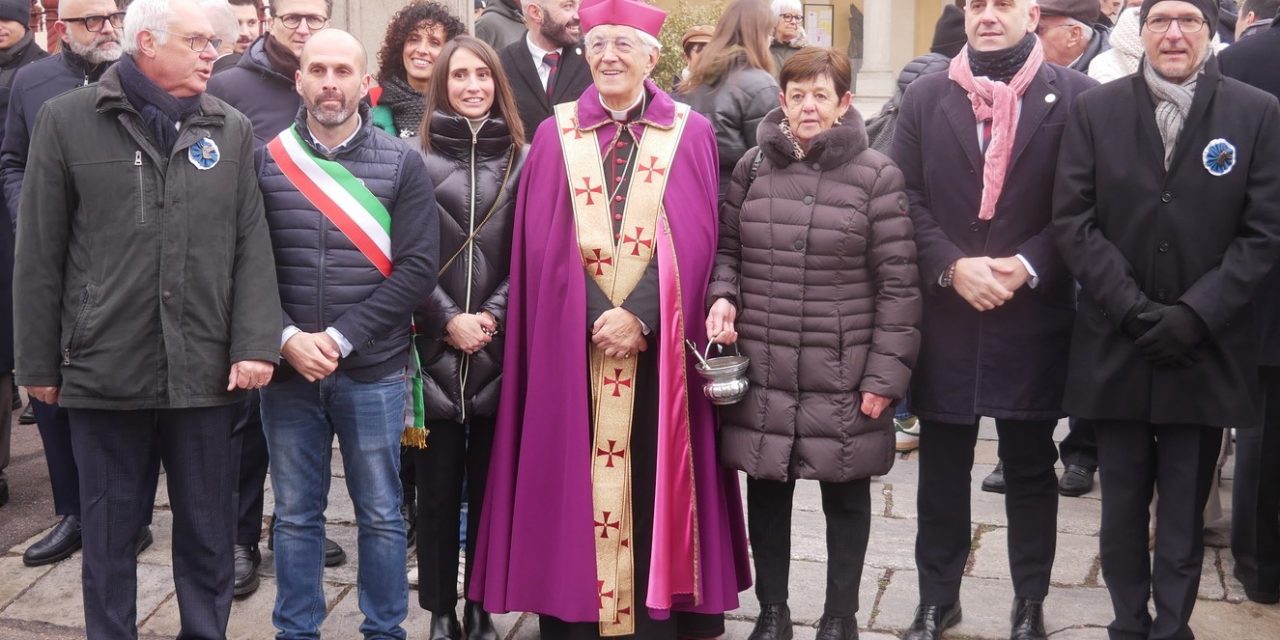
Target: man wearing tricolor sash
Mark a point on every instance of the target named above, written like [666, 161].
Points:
[606, 512]
[354, 228]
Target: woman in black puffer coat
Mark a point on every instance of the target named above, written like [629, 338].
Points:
[473, 144]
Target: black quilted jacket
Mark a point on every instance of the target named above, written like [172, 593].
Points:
[475, 178]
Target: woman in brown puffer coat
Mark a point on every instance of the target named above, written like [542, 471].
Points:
[816, 281]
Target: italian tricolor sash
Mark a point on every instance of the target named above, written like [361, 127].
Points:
[616, 263]
[346, 202]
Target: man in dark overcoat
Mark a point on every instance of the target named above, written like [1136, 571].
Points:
[1167, 210]
[978, 147]
[1255, 491]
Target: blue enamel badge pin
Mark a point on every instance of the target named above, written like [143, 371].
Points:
[204, 154]
[1219, 157]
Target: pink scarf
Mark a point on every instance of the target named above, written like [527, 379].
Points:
[997, 102]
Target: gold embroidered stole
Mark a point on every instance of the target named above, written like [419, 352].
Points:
[616, 264]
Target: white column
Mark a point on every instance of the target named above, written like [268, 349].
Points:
[877, 78]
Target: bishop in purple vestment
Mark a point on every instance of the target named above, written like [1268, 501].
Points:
[541, 531]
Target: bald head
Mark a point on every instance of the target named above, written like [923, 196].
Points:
[334, 45]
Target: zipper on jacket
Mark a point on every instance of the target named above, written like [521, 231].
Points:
[142, 192]
[465, 369]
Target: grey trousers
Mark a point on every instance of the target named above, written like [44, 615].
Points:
[6, 424]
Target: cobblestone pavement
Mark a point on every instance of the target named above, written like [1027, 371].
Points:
[45, 602]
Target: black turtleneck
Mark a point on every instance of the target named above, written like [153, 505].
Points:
[92, 72]
[1001, 65]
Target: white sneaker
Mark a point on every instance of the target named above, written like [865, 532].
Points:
[906, 432]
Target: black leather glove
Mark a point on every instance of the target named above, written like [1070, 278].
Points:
[1172, 340]
[1134, 328]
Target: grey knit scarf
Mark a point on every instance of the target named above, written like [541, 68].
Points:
[1173, 104]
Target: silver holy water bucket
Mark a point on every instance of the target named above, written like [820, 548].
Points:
[726, 376]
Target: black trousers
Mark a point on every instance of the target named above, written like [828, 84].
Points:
[113, 450]
[250, 446]
[64, 476]
[847, 507]
[1031, 503]
[1255, 498]
[1179, 460]
[455, 452]
[1080, 447]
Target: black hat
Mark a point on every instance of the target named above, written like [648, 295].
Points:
[948, 34]
[1085, 11]
[1207, 7]
[17, 11]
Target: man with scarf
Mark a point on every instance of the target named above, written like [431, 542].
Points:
[978, 148]
[261, 86]
[17, 49]
[614, 243]
[89, 31]
[1167, 210]
[150, 303]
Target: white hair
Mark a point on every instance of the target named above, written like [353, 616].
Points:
[650, 43]
[223, 19]
[778, 6]
[147, 15]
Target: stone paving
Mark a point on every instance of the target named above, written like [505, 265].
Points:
[45, 602]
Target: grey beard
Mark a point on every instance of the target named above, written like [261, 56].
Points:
[92, 54]
[331, 117]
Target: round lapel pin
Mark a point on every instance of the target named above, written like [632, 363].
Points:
[1051, 98]
[204, 154]
[1219, 157]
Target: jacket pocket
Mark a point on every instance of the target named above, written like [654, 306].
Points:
[78, 329]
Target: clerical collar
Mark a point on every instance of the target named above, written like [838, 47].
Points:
[630, 112]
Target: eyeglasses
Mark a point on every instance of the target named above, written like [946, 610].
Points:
[622, 45]
[1186, 24]
[294, 20]
[790, 17]
[94, 23]
[197, 43]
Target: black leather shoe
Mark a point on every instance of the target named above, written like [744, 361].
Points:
[994, 483]
[1251, 592]
[837, 628]
[145, 541]
[1076, 480]
[476, 622]
[444, 626]
[333, 554]
[1028, 620]
[60, 543]
[247, 558]
[28, 416]
[774, 623]
[931, 620]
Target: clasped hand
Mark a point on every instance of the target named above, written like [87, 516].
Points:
[314, 355]
[986, 283]
[720, 321]
[470, 332]
[619, 333]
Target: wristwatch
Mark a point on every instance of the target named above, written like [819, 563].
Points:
[947, 276]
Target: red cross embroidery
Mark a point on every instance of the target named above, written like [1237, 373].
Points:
[624, 611]
[637, 241]
[577, 133]
[602, 594]
[588, 189]
[652, 169]
[617, 382]
[598, 262]
[606, 525]
[611, 453]
[626, 543]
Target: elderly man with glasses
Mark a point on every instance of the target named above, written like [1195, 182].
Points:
[149, 304]
[1167, 211]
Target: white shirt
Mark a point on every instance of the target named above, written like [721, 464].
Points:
[544, 70]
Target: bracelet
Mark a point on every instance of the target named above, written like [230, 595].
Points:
[948, 276]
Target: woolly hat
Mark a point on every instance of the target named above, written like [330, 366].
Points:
[948, 34]
[17, 11]
[1209, 8]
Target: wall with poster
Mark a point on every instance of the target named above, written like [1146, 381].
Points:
[819, 24]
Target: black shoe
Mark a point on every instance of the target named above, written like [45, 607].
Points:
[994, 483]
[333, 554]
[247, 558]
[837, 628]
[4, 494]
[28, 416]
[476, 622]
[774, 623]
[145, 540]
[1250, 592]
[444, 626]
[931, 620]
[60, 543]
[1076, 481]
[1028, 620]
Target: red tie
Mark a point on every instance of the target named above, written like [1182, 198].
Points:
[986, 135]
[551, 60]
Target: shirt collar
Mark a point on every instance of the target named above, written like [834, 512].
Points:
[537, 52]
[338, 147]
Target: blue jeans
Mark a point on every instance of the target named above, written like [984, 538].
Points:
[300, 419]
